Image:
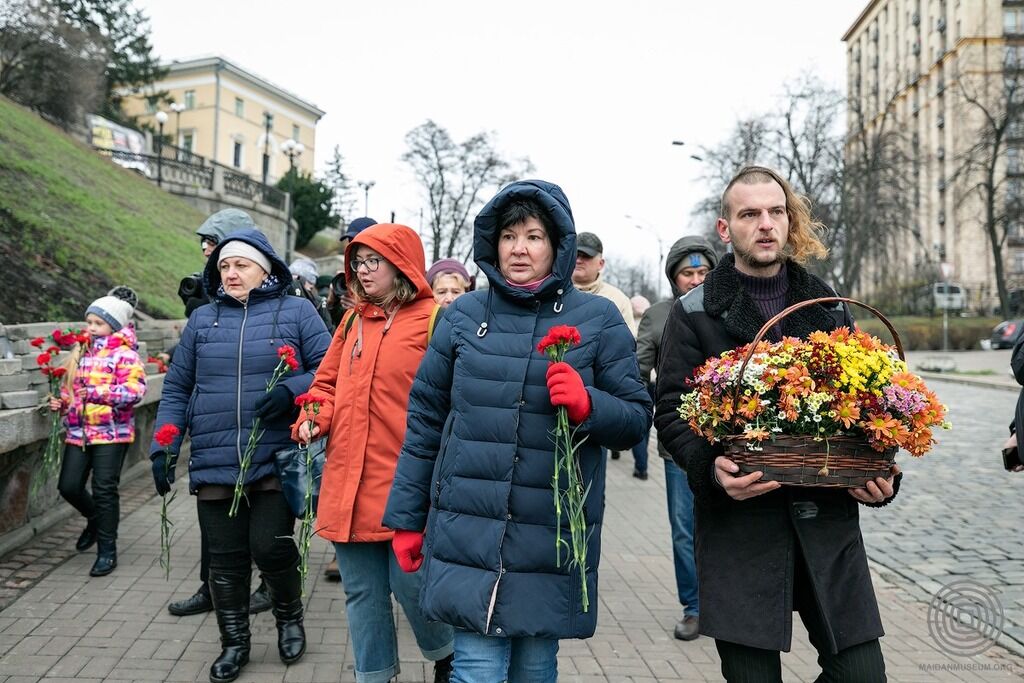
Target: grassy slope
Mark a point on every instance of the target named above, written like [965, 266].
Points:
[73, 224]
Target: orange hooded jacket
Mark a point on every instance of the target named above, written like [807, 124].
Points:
[363, 397]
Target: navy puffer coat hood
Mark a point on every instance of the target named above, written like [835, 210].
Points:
[477, 462]
[226, 355]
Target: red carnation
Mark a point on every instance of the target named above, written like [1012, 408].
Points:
[58, 372]
[83, 338]
[286, 351]
[303, 400]
[38, 342]
[557, 335]
[46, 370]
[165, 435]
[53, 349]
[43, 358]
[291, 362]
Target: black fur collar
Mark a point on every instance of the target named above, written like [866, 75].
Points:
[723, 294]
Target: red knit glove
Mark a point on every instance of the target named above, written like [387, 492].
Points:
[566, 388]
[407, 546]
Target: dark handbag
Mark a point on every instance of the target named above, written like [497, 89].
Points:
[291, 470]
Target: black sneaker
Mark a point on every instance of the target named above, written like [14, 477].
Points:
[88, 537]
[443, 669]
[616, 455]
[196, 604]
[642, 476]
[259, 601]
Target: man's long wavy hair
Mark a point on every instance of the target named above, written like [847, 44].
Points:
[804, 242]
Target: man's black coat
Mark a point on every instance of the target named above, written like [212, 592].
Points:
[746, 550]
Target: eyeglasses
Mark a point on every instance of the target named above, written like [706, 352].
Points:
[205, 242]
[372, 264]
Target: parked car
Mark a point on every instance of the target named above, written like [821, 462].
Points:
[1006, 333]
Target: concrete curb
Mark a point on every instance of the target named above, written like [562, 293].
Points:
[969, 381]
[40, 525]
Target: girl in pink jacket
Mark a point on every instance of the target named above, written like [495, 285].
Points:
[104, 380]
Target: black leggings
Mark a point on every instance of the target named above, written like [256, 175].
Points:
[261, 532]
[104, 505]
[861, 663]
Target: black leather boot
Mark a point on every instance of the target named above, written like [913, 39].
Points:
[259, 601]
[106, 558]
[285, 588]
[230, 593]
[195, 604]
[88, 537]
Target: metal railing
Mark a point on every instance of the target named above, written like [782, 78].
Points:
[178, 165]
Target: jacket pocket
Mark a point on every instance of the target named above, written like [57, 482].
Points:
[436, 479]
[191, 406]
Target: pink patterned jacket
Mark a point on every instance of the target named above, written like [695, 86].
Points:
[114, 380]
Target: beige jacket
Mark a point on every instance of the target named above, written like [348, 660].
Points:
[616, 296]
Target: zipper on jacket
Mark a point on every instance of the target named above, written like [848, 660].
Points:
[494, 591]
[238, 393]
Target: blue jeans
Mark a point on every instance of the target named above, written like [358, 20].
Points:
[487, 659]
[369, 575]
[680, 517]
[640, 453]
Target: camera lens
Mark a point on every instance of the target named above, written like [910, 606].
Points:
[338, 285]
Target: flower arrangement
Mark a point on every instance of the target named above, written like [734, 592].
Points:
[311, 407]
[285, 363]
[165, 437]
[62, 340]
[833, 384]
[554, 345]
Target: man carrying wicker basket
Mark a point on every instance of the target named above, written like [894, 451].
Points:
[764, 550]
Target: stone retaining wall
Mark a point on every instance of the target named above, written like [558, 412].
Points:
[24, 425]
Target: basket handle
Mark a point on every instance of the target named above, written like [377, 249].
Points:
[804, 304]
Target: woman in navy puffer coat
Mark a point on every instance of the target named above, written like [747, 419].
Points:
[214, 388]
[474, 474]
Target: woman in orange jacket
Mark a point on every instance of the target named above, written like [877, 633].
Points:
[363, 385]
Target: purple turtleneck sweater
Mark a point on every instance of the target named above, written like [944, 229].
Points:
[769, 295]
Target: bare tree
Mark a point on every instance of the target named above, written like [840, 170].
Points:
[456, 179]
[47, 63]
[631, 277]
[990, 169]
[337, 178]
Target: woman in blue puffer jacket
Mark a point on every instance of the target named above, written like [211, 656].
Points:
[474, 475]
[214, 388]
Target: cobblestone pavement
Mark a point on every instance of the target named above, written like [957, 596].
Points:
[958, 511]
[959, 514]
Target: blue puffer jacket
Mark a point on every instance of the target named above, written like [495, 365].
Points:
[226, 356]
[478, 450]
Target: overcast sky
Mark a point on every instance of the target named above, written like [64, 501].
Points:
[593, 93]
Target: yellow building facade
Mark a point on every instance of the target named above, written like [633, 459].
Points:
[223, 113]
[909, 65]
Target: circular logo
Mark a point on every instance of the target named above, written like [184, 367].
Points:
[965, 618]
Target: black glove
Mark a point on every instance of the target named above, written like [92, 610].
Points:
[276, 403]
[163, 476]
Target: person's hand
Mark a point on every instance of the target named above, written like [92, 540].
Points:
[566, 388]
[741, 488]
[407, 546]
[55, 404]
[346, 301]
[274, 403]
[163, 476]
[306, 434]
[877, 491]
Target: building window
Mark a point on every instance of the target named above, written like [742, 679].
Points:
[1018, 263]
[1013, 160]
[190, 99]
[295, 132]
[268, 120]
[150, 106]
[1011, 21]
[236, 158]
[187, 141]
[239, 107]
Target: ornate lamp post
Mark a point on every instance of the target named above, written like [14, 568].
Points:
[161, 119]
[366, 185]
[292, 150]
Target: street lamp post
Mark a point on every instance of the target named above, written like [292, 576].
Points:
[661, 248]
[177, 108]
[161, 119]
[366, 185]
[292, 150]
[266, 145]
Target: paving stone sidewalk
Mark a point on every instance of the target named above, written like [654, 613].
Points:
[58, 624]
